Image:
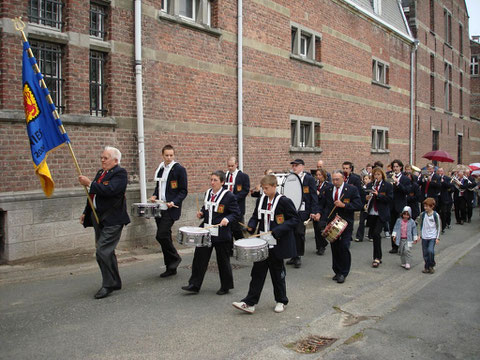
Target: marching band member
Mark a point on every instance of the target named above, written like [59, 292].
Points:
[342, 199]
[461, 196]
[276, 213]
[220, 208]
[378, 210]
[430, 183]
[308, 209]
[323, 185]
[171, 190]
[445, 199]
[471, 183]
[414, 197]
[352, 179]
[367, 179]
[320, 167]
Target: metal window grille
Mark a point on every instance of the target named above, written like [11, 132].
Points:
[97, 84]
[49, 59]
[98, 15]
[46, 12]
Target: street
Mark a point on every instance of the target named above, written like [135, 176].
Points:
[48, 312]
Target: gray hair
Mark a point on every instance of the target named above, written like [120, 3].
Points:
[116, 154]
[337, 172]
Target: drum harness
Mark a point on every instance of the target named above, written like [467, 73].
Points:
[212, 206]
[162, 182]
[266, 213]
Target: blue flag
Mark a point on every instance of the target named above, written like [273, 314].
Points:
[42, 126]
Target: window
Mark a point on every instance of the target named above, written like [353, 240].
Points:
[377, 6]
[460, 39]
[435, 142]
[97, 84]
[461, 95]
[49, 59]
[305, 134]
[459, 148]
[380, 72]
[447, 26]
[98, 14]
[46, 12]
[187, 8]
[432, 15]
[379, 139]
[305, 44]
[448, 87]
[432, 80]
[164, 5]
[198, 11]
[474, 65]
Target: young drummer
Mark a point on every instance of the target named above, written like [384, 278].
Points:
[276, 213]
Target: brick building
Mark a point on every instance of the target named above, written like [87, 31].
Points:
[475, 78]
[323, 79]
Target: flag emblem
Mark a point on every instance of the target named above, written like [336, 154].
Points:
[30, 104]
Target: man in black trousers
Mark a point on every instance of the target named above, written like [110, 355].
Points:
[107, 191]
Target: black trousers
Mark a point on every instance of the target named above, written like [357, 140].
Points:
[376, 225]
[237, 229]
[300, 238]
[106, 239]
[394, 215]
[320, 241]
[164, 236]
[259, 274]
[341, 257]
[361, 225]
[461, 209]
[445, 214]
[200, 264]
[469, 209]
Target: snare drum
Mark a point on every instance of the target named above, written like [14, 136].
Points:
[194, 236]
[334, 229]
[250, 250]
[290, 185]
[146, 210]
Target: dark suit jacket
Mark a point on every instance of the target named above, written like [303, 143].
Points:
[282, 225]
[321, 191]
[229, 210]
[176, 190]
[110, 198]
[241, 188]
[446, 190]
[433, 188]
[309, 197]
[355, 180]
[467, 194]
[384, 198]
[350, 198]
[400, 193]
[414, 198]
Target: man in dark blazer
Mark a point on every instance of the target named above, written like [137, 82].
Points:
[401, 189]
[170, 191]
[346, 200]
[430, 184]
[238, 183]
[108, 195]
[276, 213]
[220, 208]
[308, 209]
[471, 183]
[445, 199]
[349, 177]
[322, 186]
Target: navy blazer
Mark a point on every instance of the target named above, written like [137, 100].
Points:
[241, 188]
[349, 197]
[400, 193]
[446, 190]
[111, 205]
[467, 194]
[355, 179]
[228, 208]
[321, 191]
[309, 197]
[282, 225]
[433, 188]
[384, 199]
[414, 198]
[176, 190]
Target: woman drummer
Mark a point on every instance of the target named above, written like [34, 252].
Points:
[277, 214]
[220, 209]
[378, 210]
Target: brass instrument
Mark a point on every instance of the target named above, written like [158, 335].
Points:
[456, 182]
[390, 178]
[425, 174]
[369, 191]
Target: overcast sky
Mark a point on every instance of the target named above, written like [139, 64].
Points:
[473, 7]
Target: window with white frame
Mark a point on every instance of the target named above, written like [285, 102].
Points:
[98, 14]
[198, 11]
[305, 133]
[447, 88]
[379, 139]
[305, 44]
[97, 84]
[380, 72]
[46, 12]
[164, 5]
[377, 6]
[474, 70]
[447, 17]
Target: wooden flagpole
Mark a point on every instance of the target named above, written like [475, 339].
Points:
[20, 25]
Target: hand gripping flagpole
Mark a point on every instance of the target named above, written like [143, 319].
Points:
[20, 25]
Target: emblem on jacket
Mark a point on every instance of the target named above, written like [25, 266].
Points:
[279, 219]
[239, 187]
[174, 184]
[306, 190]
[221, 208]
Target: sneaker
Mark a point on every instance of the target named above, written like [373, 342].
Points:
[358, 240]
[387, 234]
[244, 307]
[407, 266]
[432, 270]
[404, 265]
[280, 307]
[370, 239]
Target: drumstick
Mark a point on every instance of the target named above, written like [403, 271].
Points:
[341, 197]
[257, 235]
[211, 226]
[305, 223]
[242, 224]
[164, 202]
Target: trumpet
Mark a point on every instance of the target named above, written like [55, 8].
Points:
[425, 174]
[390, 178]
[456, 182]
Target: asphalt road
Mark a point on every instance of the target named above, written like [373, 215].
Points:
[48, 312]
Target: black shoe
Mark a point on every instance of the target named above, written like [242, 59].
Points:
[222, 292]
[358, 240]
[335, 278]
[168, 272]
[291, 261]
[103, 292]
[191, 288]
[340, 279]
[443, 231]
[393, 251]
[469, 220]
[297, 262]
[321, 251]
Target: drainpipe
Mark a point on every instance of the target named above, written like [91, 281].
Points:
[139, 94]
[240, 84]
[412, 97]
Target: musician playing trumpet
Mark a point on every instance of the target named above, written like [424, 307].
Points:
[462, 196]
[430, 183]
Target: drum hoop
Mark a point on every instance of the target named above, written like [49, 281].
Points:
[282, 188]
[254, 243]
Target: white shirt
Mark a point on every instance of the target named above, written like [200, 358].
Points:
[429, 228]
[227, 179]
[340, 189]
[162, 182]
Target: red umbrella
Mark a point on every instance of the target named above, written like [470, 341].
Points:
[474, 166]
[438, 155]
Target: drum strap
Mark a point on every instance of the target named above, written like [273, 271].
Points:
[212, 206]
[265, 212]
[229, 184]
[162, 180]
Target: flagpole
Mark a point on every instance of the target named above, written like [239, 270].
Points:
[20, 25]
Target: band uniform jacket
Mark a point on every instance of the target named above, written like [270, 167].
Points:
[322, 190]
[384, 199]
[349, 197]
[466, 185]
[309, 197]
[241, 188]
[228, 208]
[400, 193]
[282, 225]
[355, 179]
[414, 198]
[446, 190]
[433, 188]
[176, 190]
[111, 205]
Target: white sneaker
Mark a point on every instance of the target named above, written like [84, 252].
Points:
[403, 265]
[280, 307]
[407, 266]
[244, 307]
[387, 234]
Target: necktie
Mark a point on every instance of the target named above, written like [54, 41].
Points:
[336, 194]
[99, 180]
[213, 197]
[269, 206]
[231, 182]
[428, 184]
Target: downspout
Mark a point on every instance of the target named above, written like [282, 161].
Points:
[412, 98]
[240, 84]
[139, 94]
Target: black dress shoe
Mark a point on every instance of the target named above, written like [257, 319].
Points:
[340, 279]
[469, 220]
[393, 251]
[321, 251]
[222, 292]
[298, 263]
[291, 261]
[168, 272]
[335, 277]
[191, 288]
[103, 292]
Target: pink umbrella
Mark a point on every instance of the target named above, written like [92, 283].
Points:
[438, 155]
[474, 166]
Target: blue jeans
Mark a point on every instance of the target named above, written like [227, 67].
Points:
[428, 248]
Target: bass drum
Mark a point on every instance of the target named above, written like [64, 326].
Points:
[290, 185]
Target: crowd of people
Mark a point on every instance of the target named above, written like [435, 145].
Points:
[387, 201]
